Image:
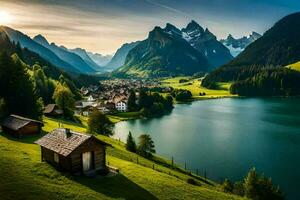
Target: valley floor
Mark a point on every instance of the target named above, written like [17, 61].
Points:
[24, 176]
[194, 85]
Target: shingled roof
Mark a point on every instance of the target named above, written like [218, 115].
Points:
[49, 108]
[64, 141]
[15, 122]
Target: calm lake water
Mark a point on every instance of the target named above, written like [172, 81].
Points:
[226, 137]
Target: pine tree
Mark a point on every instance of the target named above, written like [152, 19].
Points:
[250, 184]
[130, 144]
[17, 88]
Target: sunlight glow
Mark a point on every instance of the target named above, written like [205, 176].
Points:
[5, 18]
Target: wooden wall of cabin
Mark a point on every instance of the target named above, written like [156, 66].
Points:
[30, 129]
[98, 155]
[48, 156]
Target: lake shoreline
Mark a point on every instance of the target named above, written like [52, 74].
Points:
[116, 118]
[227, 137]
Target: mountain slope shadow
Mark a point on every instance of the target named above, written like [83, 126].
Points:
[118, 186]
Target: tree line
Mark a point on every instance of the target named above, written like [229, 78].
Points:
[145, 146]
[254, 186]
[269, 82]
[149, 103]
[24, 89]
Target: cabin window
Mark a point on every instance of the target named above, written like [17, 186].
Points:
[56, 157]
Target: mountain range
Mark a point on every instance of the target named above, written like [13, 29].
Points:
[119, 58]
[171, 51]
[206, 42]
[236, 46]
[70, 60]
[277, 48]
[26, 42]
[67, 56]
[99, 59]
[83, 54]
[30, 58]
[196, 50]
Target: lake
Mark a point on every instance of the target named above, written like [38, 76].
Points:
[226, 137]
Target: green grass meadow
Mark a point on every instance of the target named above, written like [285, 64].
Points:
[295, 66]
[194, 85]
[24, 176]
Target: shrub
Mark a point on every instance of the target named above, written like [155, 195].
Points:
[191, 181]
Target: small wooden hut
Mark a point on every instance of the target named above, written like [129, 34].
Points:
[52, 110]
[72, 151]
[18, 126]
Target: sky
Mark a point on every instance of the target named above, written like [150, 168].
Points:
[102, 26]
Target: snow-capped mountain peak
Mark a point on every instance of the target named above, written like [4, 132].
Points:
[236, 46]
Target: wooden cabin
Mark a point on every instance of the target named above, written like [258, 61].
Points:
[18, 126]
[72, 151]
[52, 110]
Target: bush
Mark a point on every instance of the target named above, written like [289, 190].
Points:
[227, 186]
[98, 123]
[254, 186]
[183, 80]
[146, 146]
[191, 181]
[182, 95]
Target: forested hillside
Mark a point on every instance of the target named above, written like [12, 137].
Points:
[260, 68]
[27, 81]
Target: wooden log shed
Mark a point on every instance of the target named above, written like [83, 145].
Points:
[19, 126]
[73, 151]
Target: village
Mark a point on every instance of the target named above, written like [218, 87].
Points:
[111, 96]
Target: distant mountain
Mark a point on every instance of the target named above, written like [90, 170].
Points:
[206, 42]
[236, 46]
[99, 59]
[31, 58]
[27, 42]
[87, 59]
[118, 59]
[278, 47]
[63, 53]
[164, 53]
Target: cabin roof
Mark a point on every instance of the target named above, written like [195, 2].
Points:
[15, 122]
[63, 142]
[49, 108]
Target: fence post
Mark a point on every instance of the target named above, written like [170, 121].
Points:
[205, 175]
[153, 166]
[172, 161]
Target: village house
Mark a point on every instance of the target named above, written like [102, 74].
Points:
[120, 102]
[18, 126]
[73, 151]
[87, 110]
[121, 106]
[52, 110]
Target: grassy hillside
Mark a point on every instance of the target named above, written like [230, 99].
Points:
[194, 85]
[24, 176]
[295, 66]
